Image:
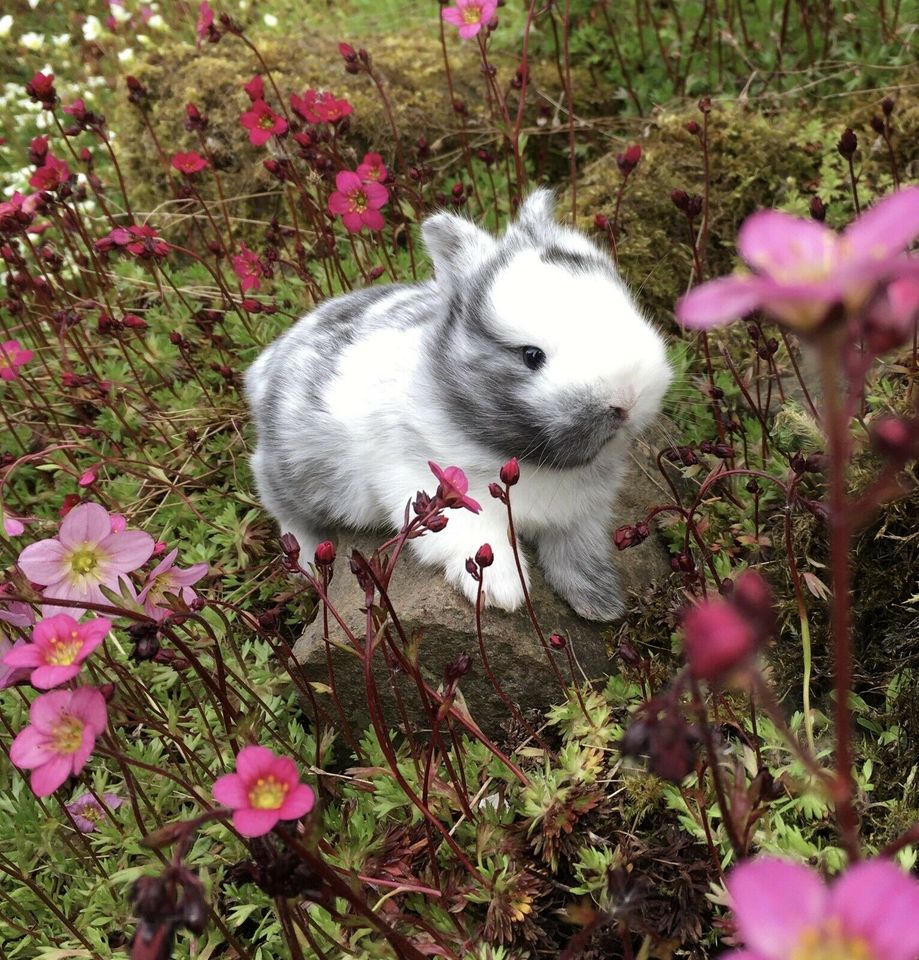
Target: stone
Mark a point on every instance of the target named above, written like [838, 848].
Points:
[445, 622]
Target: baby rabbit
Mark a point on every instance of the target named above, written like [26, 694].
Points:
[528, 345]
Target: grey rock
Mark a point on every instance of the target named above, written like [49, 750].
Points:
[444, 622]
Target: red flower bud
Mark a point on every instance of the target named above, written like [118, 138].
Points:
[848, 144]
[510, 472]
[485, 556]
[325, 554]
[628, 160]
[557, 641]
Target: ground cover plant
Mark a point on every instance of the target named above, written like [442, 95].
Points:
[180, 183]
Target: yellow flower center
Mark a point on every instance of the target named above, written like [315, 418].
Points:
[830, 942]
[472, 14]
[64, 650]
[266, 121]
[67, 735]
[267, 793]
[85, 560]
[90, 811]
[358, 201]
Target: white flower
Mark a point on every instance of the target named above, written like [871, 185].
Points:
[33, 3]
[126, 55]
[156, 22]
[92, 28]
[6, 21]
[119, 12]
[61, 39]
[270, 20]
[32, 41]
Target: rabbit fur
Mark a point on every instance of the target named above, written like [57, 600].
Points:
[352, 402]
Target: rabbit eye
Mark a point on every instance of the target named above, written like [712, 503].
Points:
[533, 357]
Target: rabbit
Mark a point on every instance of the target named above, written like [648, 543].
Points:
[528, 345]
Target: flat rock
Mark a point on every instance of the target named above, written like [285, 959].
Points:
[445, 621]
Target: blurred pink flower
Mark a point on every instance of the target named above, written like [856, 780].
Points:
[265, 789]
[58, 648]
[87, 811]
[12, 356]
[371, 169]
[255, 88]
[262, 123]
[802, 268]
[470, 16]
[248, 268]
[452, 487]
[51, 174]
[205, 20]
[12, 526]
[189, 163]
[63, 728]
[784, 911]
[323, 106]
[167, 579]
[358, 204]
[84, 556]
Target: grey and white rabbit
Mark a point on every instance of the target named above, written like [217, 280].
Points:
[527, 345]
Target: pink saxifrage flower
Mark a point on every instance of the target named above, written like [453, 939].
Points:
[165, 580]
[784, 911]
[357, 203]
[51, 174]
[13, 356]
[801, 268]
[452, 487]
[189, 163]
[320, 106]
[248, 268]
[265, 789]
[262, 123]
[84, 556]
[58, 648]
[87, 811]
[470, 16]
[255, 88]
[205, 21]
[61, 735]
[371, 168]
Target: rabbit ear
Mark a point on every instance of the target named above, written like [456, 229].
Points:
[455, 245]
[537, 211]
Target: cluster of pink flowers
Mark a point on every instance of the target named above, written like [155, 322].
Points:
[320, 106]
[138, 239]
[51, 174]
[13, 355]
[93, 550]
[359, 196]
[470, 16]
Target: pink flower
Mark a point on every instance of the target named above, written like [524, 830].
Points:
[138, 239]
[470, 16]
[248, 268]
[22, 616]
[320, 106]
[61, 736]
[189, 163]
[87, 811]
[262, 123]
[371, 169]
[83, 557]
[721, 635]
[205, 21]
[58, 648]
[452, 487]
[265, 789]
[255, 88]
[784, 911]
[18, 212]
[11, 526]
[358, 204]
[51, 174]
[12, 356]
[167, 579]
[802, 268]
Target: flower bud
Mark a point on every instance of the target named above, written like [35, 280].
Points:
[325, 554]
[510, 472]
[628, 160]
[557, 641]
[601, 222]
[848, 144]
[717, 640]
[887, 105]
[497, 492]
[817, 209]
[485, 556]
[877, 125]
[693, 128]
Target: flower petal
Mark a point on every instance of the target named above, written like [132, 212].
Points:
[86, 523]
[773, 242]
[373, 219]
[27, 655]
[887, 229]
[230, 791]
[253, 761]
[30, 749]
[49, 776]
[89, 705]
[43, 562]
[339, 203]
[128, 551]
[254, 823]
[774, 901]
[720, 301]
[52, 675]
[46, 710]
[879, 903]
[299, 801]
